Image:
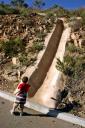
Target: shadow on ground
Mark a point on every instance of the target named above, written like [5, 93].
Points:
[51, 113]
[29, 114]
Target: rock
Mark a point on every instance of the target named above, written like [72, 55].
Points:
[14, 78]
[13, 73]
[82, 33]
[14, 60]
[0, 31]
[7, 72]
[1, 72]
[23, 69]
[10, 78]
[75, 24]
[82, 43]
[71, 99]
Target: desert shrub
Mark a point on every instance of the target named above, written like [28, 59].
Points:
[7, 9]
[31, 23]
[2, 12]
[49, 26]
[25, 60]
[66, 66]
[75, 24]
[71, 48]
[72, 66]
[24, 11]
[74, 49]
[51, 16]
[0, 46]
[37, 46]
[12, 47]
[41, 36]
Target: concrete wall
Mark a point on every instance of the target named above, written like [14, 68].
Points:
[40, 73]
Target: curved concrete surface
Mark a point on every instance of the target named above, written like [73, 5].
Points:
[45, 80]
[40, 72]
[48, 91]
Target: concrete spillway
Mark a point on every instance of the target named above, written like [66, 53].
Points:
[45, 79]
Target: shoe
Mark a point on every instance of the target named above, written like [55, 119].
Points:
[21, 113]
[12, 112]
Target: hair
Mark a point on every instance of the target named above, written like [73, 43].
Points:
[25, 79]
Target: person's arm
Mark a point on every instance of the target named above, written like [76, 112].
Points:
[16, 91]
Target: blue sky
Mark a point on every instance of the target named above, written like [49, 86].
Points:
[68, 4]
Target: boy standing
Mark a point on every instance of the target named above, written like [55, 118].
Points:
[21, 95]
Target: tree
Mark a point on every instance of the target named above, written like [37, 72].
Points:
[2, 2]
[39, 3]
[26, 5]
[55, 6]
[18, 3]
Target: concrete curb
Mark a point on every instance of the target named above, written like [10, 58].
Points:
[45, 110]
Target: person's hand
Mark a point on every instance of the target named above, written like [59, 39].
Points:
[16, 91]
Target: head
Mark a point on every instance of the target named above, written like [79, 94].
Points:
[25, 79]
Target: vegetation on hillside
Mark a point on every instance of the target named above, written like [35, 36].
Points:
[73, 64]
[73, 68]
[25, 28]
[20, 6]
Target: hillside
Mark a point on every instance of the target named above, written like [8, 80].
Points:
[22, 36]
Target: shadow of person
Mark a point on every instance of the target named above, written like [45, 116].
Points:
[29, 114]
[24, 114]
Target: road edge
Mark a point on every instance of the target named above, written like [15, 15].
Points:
[45, 110]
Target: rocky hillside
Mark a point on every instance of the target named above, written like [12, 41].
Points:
[73, 69]
[12, 26]
[21, 39]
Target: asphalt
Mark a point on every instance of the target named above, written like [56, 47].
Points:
[30, 119]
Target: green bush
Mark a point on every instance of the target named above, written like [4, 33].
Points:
[50, 16]
[72, 66]
[12, 47]
[78, 56]
[25, 60]
[66, 66]
[24, 11]
[71, 47]
[2, 12]
[36, 47]
[41, 36]
[74, 49]
[7, 9]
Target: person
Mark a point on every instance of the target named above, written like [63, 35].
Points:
[21, 95]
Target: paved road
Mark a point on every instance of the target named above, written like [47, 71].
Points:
[31, 119]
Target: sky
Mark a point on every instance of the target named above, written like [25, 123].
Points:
[68, 4]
